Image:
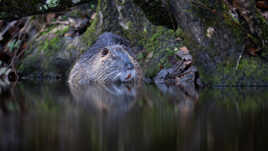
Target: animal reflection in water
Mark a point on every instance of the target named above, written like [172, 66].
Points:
[123, 97]
[105, 97]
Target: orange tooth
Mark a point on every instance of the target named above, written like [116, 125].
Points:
[129, 76]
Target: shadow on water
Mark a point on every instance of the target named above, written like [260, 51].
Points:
[52, 116]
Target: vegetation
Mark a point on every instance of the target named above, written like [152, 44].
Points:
[227, 43]
[34, 7]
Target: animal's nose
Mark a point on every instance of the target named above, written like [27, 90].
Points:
[129, 66]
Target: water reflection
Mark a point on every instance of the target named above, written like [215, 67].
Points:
[110, 98]
[52, 116]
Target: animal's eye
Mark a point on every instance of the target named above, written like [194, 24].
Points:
[104, 52]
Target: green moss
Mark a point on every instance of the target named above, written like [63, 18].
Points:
[91, 35]
[60, 32]
[47, 30]
[45, 50]
[254, 68]
[21, 68]
[63, 31]
[156, 41]
[179, 32]
[251, 71]
[242, 32]
[152, 71]
[140, 56]
[49, 47]
[262, 22]
[248, 66]
[236, 28]
[29, 65]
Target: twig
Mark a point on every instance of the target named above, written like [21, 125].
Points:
[17, 54]
[239, 58]
[60, 22]
[10, 25]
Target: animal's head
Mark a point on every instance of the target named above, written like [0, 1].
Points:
[113, 63]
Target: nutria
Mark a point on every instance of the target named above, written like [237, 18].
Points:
[108, 60]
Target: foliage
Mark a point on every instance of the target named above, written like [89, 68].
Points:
[14, 44]
[52, 3]
[22, 8]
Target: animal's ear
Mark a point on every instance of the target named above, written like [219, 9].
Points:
[104, 52]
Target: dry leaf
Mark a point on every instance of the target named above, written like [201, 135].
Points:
[69, 34]
[93, 16]
[161, 67]
[252, 51]
[178, 39]
[262, 4]
[149, 56]
[24, 45]
[210, 32]
[184, 49]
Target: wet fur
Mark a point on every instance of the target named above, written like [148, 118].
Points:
[92, 66]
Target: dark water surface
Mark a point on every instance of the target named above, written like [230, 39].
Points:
[54, 117]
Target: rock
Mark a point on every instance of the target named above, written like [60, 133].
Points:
[184, 77]
[7, 76]
[184, 54]
[162, 76]
[53, 50]
[216, 39]
[187, 78]
[79, 24]
[213, 35]
[149, 41]
[182, 74]
[53, 63]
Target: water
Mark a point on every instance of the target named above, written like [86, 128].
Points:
[52, 117]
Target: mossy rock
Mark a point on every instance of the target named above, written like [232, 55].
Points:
[50, 55]
[154, 46]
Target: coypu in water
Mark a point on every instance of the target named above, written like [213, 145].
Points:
[108, 60]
